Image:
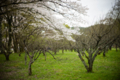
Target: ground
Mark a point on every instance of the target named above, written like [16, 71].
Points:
[67, 67]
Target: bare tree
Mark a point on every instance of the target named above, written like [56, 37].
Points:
[33, 48]
[33, 51]
[95, 41]
[97, 38]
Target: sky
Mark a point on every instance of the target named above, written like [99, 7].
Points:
[97, 10]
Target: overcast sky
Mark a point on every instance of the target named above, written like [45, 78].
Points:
[97, 10]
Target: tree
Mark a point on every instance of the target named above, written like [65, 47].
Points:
[34, 13]
[11, 29]
[25, 5]
[91, 44]
[33, 51]
[8, 19]
[34, 46]
[97, 39]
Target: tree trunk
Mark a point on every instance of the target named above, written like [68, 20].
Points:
[90, 66]
[15, 48]
[89, 69]
[110, 47]
[7, 57]
[71, 50]
[55, 51]
[90, 60]
[15, 43]
[10, 39]
[19, 54]
[82, 60]
[116, 47]
[104, 53]
[21, 48]
[62, 51]
[44, 54]
[29, 68]
[25, 58]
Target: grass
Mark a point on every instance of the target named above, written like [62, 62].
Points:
[67, 67]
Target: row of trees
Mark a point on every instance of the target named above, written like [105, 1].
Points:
[22, 23]
[20, 18]
[25, 28]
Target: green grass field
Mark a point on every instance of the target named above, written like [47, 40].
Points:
[67, 67]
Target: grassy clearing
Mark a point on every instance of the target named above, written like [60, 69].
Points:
[67, 67]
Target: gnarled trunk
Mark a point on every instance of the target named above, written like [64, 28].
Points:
[90, 62]
[90, 67]
[90, 59]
